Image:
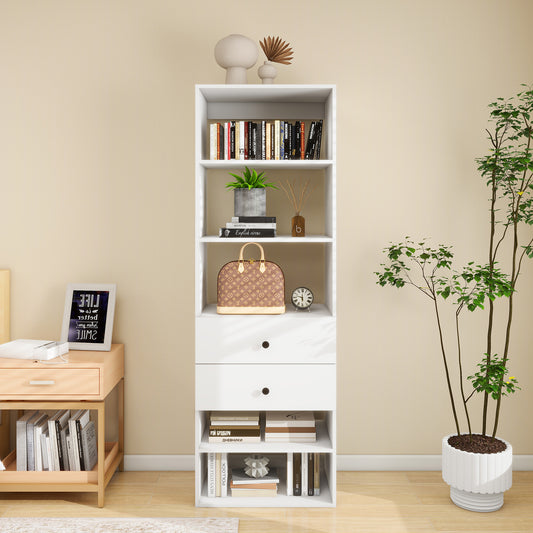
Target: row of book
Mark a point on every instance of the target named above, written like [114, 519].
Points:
[245, 426]
[249, 226]
[56, 441]
[275, 139]
[302, 478]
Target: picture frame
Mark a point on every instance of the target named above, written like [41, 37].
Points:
[89, 315]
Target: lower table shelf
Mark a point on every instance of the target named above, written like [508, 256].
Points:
[12, 480]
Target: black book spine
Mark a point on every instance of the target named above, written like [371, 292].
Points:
[247, 232]
[59, 447]
[232, 140]
[80, 446]
[221, 140]
[297, 474]
[310, 138]
[310, 474]
[318, 140]
[297, 140]
[259, 219]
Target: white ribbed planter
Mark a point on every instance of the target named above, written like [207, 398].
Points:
[477, 480]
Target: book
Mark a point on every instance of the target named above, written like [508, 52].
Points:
[81, 421]
[231, 424]
[75, 463]
[297, 474]
[304, 467]
[259, 493]
[235, 439]
[40, 424]
[251, 431]
[234, 415]
[310, 473]
[316, 475]
[30, 439]
[254, 486]
[211, 483]
[286, 419]
[289, 473]
[239, 477]
[246, 232]
[88, 442]
[38, 350]
[22, 450]
[217, 474]
[224, 475]
[251, 225]
[213, 141]
[254, 220]
[45, 448]
[290, 438]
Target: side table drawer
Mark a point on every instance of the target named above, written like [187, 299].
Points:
[265, 387]
[43, 382]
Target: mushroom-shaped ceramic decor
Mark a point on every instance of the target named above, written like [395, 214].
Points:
[236, 53]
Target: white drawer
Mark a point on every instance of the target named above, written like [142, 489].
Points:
[265, 387]
[289, 338]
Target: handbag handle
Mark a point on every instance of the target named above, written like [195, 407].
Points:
[262, 266]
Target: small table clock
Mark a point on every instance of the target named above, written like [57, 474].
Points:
[302, 298]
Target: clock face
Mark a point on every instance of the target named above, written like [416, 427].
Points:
[302, 297]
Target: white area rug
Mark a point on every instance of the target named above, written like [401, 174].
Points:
[119, 525]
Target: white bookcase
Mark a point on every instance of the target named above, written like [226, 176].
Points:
[296, 368]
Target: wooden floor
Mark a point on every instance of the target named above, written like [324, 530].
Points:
[384, 502]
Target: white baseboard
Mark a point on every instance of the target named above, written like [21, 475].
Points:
[344, 462]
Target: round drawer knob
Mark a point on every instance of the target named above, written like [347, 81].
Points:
[265, 344]
[265, 390]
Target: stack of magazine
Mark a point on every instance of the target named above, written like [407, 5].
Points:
[243, 226]
[56, 441]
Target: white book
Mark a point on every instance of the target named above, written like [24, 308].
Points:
[39, 350]
[217, 474]
[211, 484]
[70, 451]
[212, 141]
[30, 439]
[241, 140]
[73, 433]
[290, 466]
[223, 474]
[251, 225]
[56, 423]
[89, 445]
[304, 473]
[22, 452]
[45, 452]
[290, 419]
[38, 428]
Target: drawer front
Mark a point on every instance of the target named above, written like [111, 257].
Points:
[48, 382]
[265, 387]
[290, 338]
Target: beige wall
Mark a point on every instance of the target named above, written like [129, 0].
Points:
[97, 184]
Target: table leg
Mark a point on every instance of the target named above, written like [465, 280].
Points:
[121, 423]
[101, 453]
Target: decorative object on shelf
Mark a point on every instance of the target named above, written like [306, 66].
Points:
[256, 466]
[302, 298]
[507, 171]
[297, 197]
[276, 51]
[236, 53]
[249, 193]
[250, 287]
[88, 316]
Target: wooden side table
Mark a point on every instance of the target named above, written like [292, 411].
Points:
[82, 383]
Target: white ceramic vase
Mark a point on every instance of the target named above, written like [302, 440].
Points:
[477, 480]
[267, 72]
[236, 53]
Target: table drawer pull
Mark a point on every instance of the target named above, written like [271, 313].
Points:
[42, 382]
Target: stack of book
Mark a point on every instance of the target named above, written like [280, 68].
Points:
[303, 474]
[243, 485]
[290, 426]
[255, 227]
[229, 426]
[273, 139]
[56, 441]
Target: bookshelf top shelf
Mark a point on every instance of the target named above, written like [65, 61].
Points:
[283, 164]
[264, 93]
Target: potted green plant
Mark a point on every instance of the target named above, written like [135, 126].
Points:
[249, 192]
[478, 466]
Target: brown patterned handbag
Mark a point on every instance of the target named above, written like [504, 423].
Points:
[250, 287]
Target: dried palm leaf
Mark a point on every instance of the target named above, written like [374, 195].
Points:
[277, 50]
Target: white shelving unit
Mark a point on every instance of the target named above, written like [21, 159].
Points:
[298, 365]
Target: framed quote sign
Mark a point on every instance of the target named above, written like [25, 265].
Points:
[88, 316]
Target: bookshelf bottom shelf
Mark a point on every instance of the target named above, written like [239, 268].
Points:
[12, 480]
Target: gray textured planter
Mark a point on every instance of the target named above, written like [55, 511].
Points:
[250, 202]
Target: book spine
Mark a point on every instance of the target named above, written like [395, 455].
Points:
[297, 474]
[302, 140]
[304, 474]
[276, 139]
[211, 484]
[224, 475]
[310, 473]
[241, 140]
[217, 475]
[212, 141]
[237, 139]
[220, 141]
[30, 452]
[59, 447]
[235, 439]
[289, 473]
[282, 139]
[237, 232]
[254, 140]
[232, 140]
[268, 143]
[80, 447]
[234, 432]
[263, 139]
[318, 140]
[228, 140]
[21, 446]
[310, 140]
[252, 219]
[316, 476]
[251, 225]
